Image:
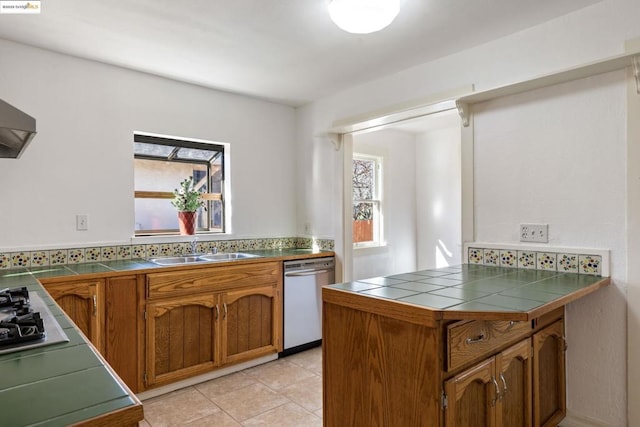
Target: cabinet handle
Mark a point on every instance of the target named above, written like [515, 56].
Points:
[95, 305]
[497, 396]
[504, 385]
[475, 340]
[217, 312]
[225, 310]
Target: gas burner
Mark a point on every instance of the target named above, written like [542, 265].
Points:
[18, 322]
[17, 297]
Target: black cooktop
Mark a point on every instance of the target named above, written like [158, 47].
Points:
[18, 321]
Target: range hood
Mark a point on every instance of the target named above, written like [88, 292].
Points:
[17, 129]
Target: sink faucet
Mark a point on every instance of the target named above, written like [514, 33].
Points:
[194, 242]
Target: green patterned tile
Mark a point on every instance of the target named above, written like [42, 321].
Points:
[530, 294]
[513, 304]
[388, 292]
[461, 293]
[354, 286]
[383, 281]
[430, 300]
[406, 276]
[416, 286]
[441, 281]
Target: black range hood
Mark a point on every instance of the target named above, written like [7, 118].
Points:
[17, 129]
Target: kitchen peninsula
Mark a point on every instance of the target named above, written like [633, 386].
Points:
[470, 345]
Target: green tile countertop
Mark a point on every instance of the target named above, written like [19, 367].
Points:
[472, 291]
[70, 382]
[58, 384]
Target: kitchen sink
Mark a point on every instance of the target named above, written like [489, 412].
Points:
[193, 259]
[228, 256]
[171, 260]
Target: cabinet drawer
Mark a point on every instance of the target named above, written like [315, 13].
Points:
[214, 279]
[467, 341]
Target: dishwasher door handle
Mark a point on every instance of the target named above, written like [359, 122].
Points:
[306, 273]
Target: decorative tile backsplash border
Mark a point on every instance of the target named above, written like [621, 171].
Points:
[566, 260]
[37, 258]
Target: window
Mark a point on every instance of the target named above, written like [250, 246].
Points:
[160, 164]
[367, 201]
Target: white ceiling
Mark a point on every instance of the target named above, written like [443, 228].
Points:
[287, 51]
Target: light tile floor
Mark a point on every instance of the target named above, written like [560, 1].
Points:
[285, 392]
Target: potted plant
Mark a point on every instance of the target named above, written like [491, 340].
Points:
[187, 200]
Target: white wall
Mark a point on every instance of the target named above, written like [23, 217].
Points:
[81, 161]
[590, 34]
[438, 198]
[397, 150]
[557, 156]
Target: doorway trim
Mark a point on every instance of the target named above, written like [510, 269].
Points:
[342, 135]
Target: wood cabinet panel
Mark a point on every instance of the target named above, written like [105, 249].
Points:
[513, 369]
[250, 323]
[467, 341]
[378, 371]
[549, 388]
[181, 338]
[471, 397]
[83, 302]
[495, 392]
[214, 279]
[123, 328]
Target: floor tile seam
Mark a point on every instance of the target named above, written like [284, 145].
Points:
[208, 398]
[278, 406]
[222, 396]
[267, 410]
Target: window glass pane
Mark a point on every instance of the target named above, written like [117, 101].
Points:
[217, 216]
[153, 150]
[363, 179]
[195, 154]
[154, 175]
[155, 214]
[363, 211]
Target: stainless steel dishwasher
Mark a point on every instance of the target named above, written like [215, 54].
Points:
[303, 280]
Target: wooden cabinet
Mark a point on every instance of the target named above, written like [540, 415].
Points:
[203, 319]
[390, 364]
[182, 338]
[107, 312]
[549, 387]
[496, 392]
[83, 302]
[124, 329]
[251, 321]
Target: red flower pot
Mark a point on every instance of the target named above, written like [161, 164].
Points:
[187, 223]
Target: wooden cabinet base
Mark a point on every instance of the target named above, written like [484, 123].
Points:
[383, 367]
[378, 370]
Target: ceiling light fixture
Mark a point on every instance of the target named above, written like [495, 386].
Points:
[363, 16]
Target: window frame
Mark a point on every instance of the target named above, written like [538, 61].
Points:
[220, 148]
[376, 201]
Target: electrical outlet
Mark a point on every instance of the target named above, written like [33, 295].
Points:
[538, 233]
[307, 228]
[82, 222]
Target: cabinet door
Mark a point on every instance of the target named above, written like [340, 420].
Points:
[549, 391]
[123, 328]
[472, 397]
[251, 325]
[181, 338]
[83, 302]
[513, 372]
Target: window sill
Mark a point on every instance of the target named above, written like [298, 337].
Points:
[175, 237]
[369, 250]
